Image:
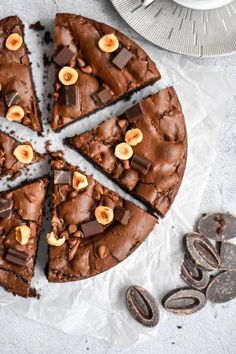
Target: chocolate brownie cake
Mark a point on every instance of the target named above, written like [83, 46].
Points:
[15, 155]
[95, 66]
[144, 149]
[93, 228]
[20, 222]
[18, 101]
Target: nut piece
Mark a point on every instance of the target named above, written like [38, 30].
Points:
[24, 153]
[108, 43]
[15, 113]
[79, 181]
[101, 251]
[123, 151]
[22, 234]
[104, 215]
[133, 136]
[14, 42]
[53, 241]
[68, 76]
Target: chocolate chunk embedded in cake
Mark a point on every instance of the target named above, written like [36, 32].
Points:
[144, 149]
[92, 228]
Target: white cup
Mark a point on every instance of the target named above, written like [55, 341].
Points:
[203, 4]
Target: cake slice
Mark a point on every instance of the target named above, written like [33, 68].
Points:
[15, 155]
[93, 228]
[144, 149]
[95, 66]
[18, 100]
[20, 221]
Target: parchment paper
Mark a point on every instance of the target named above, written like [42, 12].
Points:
[96, 307]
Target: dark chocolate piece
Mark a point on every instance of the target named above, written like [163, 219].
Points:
[17, 261]
[91, 228]
[121, 215]
[140, 164]
[63, 56]
[70, 93]
[12, 98]
[218, 226]
[62, 177]
[96, 68]
[227, 256]
[134, 113]
[91, 248]
[16, 257]
[201, 251]
[184, 301]
[17, 85]
[194, 276]
[142, 306]
[223, 287]
[122, 58]
[102, 96]
[5, 207]
[164, 145]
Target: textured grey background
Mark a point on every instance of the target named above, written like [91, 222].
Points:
[206, 332]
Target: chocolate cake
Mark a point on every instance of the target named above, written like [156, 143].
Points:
[144, 149]
[18, 100]
[95, 66]
[93, 228]
[20, 221]
[15, 155]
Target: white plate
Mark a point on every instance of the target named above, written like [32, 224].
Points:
[182, 30]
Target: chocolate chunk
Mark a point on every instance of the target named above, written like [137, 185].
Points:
[16, 257]
[142, 306]
[37, 26]
[140, 164]
[91, 228]
[62, 177]
[194, 276]
[133, 114]
[63, 56]
[227, 256]
[223, 287]
[218, 226]
[5, 207]
[184, 301]
[103, 96]
[201, 251]
[122, 58]
[70, 94]
[122, 215]
[12, 98]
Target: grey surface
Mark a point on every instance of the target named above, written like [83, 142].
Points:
[204, 332]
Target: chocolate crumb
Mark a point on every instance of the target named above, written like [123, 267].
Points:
[37, 26]
[47, 37]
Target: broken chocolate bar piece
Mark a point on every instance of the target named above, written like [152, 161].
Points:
[140, 164]
[102, 96]
[122, 58]
[91, 228]
[70, 93]
[63, 56]
[134, 113]
[16, 257]
[5, 207]
[122, 215]
[12, 98]
[62, 177]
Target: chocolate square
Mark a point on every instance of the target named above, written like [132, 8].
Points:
[16, 257]
[62, 177]
[91, 228]
[122, 58]
[63, 56]
[134, 113]
[122, 215]
[5, 207]
[103, 96]
[140, 164]
[70, 95]
[12, 98]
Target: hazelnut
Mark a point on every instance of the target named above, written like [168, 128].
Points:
[72, 229]
[14, 42]
[79, 181]
[24, 153]
[81, 62]
[15, 113]
[68, 76]
[123, 151]
[133, 137]
[53, 241]
[73, 250]
[98, 188]
[101, 251]
[87, 69]
[96, 195]
[104, 215]
[122, 123]
[78, 234]
[108, 43]
[22, 234]
[126, 164]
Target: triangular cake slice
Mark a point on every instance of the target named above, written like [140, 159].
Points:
[20, 222]
[93, 228]
[144, 149]
[18, 100]
[95, 66]
[14, 156]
